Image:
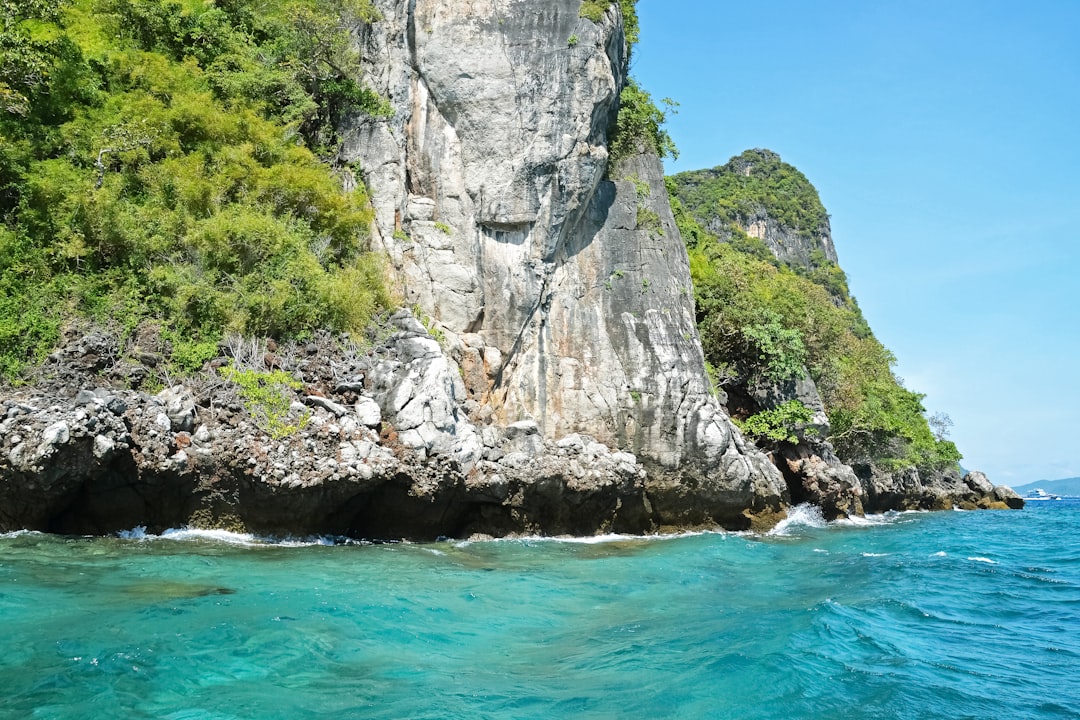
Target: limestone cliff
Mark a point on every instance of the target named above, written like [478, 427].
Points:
[564, 296]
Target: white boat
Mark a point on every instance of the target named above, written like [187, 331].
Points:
[1040, 494]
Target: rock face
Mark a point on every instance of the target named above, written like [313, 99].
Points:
[908, 490]
[788, 245]
[564, 296]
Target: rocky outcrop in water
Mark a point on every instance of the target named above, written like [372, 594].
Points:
[374, 445]
[548, 380]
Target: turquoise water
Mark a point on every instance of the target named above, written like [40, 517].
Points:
[943, 615]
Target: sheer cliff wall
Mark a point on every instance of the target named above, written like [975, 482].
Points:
[565, 296]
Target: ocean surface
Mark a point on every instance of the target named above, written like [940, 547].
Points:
[915, 615]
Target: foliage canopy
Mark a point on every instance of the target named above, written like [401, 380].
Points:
[159, 160]
[757, 180]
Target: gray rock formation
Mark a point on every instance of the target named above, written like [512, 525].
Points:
[564, 296]
[908, 489]
[787, 244]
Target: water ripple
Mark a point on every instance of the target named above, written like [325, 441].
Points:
[897, 616]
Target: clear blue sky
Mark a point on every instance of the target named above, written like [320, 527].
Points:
[944, 139]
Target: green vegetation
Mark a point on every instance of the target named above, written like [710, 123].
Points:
[594, 10]
[781, 424]
[639, 126]
[159, 160]
[762, 321]
[648, 219]
[755, 181]
[754, 184]
[268, 398]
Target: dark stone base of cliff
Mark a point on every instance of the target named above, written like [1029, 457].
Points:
[373, 445]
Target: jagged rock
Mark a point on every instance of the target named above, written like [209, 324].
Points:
[825, 482]
[326, 404]
[179, 406]
[368, 412]
[103, 446]
[1008, 496]
[116, 405]
[353, 386]
[85, 397]
[978, 483]
[56, 434]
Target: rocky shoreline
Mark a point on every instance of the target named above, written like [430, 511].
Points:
[386, 447]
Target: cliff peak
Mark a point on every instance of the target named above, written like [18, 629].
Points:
[758, 195]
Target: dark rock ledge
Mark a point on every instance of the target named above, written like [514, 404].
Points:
[80, 454]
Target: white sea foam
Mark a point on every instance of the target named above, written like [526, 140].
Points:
[940, 553]
[186, 534]
[983, 560]
[800, 516]
[870, 554]
[600, 539]
[18, 533]
[866, 520]
[221, 536]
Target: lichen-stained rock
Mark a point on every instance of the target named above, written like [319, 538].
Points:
[420, 392]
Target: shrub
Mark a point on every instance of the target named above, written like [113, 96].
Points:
[639, 126]
[781, 424]
[268, 398]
